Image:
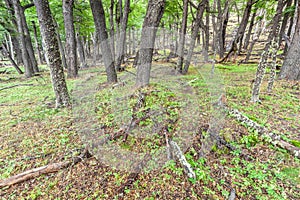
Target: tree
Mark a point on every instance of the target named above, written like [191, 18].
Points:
[19, 14]
[12, 30]
[261, 69]
[52, 52]
[122, 38]
[291, 66]
[101, 34]
[152, 19]
[70, 48]
[182, 36]
[197, 22]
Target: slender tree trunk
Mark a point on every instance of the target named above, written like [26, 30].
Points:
[60, 45]
[237, 41]
[257, 32]
[273, 54]
[112, 29]
[7, 54]
[16, 48]
[82, 56]
[200, 11]
[51, 48]
[37, 46]
[222, 21]
[284, 22]
[122, 39]
[152, 19]
[261, 69]
[289, 32]
[247, 38]
[291, 66]
[206, 33]
[70, 46]
[214, 25]
[25, 57]
[182, 36]
[99, 20]
[29, 46]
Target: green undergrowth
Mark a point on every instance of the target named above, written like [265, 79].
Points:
[33, 133]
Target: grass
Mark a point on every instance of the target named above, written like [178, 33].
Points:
[33, 133]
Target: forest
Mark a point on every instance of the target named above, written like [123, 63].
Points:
[157, 99]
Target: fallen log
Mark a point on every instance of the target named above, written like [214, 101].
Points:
[265, 133]
[12, 86]
[175, 150]
[33, 173]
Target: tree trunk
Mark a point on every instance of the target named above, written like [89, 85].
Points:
[291, 66]
[152, 19]
[222, 22]
[257, 32]
[247, 39]
[122, 39]
[284, 22]
[37, 46]
[100, 25]
[261, 69]
[200, 11]
[82, 56]
[206, 34]
[29, 46]
[7, 54]
[13, 33]
[60, 45]
[25, 56]
[182, 36]
[289, 32]
[112, 29]
[50, 43]
[70, 46]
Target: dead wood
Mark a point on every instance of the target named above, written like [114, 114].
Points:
[268, 136]
[51, 168]
[12, 86]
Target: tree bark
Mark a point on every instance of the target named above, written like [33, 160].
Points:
[257, 32]
[291, 66]
[29, 46]
[200, 11]
[152, 19]
[261, 69]
[50, 43]
[25, 56]
[182, 36]
[122, 39]
[284, 22]
[112, 29]
[37, 46]
[70, 46]
[81, 53]
[6, 53]
[247, 38]
[13, 33]
[100, 25]
[60, 45]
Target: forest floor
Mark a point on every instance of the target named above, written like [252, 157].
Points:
[33, 133]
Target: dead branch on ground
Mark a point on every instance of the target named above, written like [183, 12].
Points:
[51, 168]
